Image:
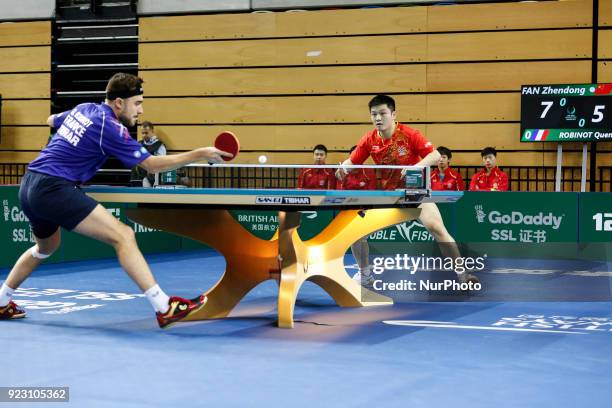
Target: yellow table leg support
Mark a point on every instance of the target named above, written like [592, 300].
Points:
[321, 259]
[251, 260]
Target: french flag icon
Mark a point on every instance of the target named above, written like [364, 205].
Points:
[541, 135]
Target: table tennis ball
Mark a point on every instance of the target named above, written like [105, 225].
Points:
[263, 159]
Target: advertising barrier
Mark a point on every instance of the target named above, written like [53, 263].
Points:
[533, 220]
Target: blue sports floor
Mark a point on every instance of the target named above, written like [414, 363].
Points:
[89, 329]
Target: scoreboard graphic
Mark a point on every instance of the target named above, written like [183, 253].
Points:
[566, 113]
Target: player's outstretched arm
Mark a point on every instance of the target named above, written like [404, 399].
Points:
[430, 160]
[156, 164]
[343, 171]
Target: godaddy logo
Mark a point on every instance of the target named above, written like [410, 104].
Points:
[519, 218]
[6, 210]
[480, 215]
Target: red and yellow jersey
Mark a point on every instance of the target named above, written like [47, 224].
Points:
[317, 179]
[497, 180]
[451, 181]
[406, 147]
[359, 179]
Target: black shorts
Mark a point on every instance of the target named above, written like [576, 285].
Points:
[50, 202]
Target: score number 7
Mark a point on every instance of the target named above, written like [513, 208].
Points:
[597, 111]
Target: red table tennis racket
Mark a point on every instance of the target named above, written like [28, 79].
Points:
[228, 142]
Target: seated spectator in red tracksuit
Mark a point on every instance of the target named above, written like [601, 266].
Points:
[490, 178]
[444, 177]
[317, 178]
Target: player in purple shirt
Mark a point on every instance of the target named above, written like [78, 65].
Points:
[50, 197]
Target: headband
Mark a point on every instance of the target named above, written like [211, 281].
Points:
[124, 94]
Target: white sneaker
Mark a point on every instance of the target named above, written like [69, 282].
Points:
[467, 277]
[368, 280]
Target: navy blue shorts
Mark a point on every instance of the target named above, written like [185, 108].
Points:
[51, 202]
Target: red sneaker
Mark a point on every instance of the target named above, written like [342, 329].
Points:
[179, 309]
[11, 311]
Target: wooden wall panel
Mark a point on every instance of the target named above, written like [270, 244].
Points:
[513, 45]
[509, 45]
[504, 16]
[25, 33]
[267, 25]
[604, 159]
[261, 110]
[25, 85]
[283, 52]
[279, 81]
[17, 157]
[25, 82]
[20, 112]
[367, 21]
[24, 138]
[337, 109]
[25, 59]
[605, 13]
[504, 76]
[473, 107]
[476, 136]
[604, 44]
[604, 71]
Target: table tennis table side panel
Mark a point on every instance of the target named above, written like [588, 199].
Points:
[250, 197]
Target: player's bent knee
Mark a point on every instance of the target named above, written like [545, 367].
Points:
[47, 252]
[122, 236]
[128, 234]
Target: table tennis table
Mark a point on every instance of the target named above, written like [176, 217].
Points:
[203, 214]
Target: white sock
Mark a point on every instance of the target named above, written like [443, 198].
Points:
[367, 271]
[159, 300]
[6, 293]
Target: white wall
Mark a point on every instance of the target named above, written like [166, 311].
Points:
[13, 10]
[185, 6]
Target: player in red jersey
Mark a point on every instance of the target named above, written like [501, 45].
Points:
[445, 178]
[490, 178]
[317, 178]
[392, 143]
[360, 179]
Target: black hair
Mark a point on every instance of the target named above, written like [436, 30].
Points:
[320, 147]
[445, 151]
[487, 151]
[382, 100]
[122, 85]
